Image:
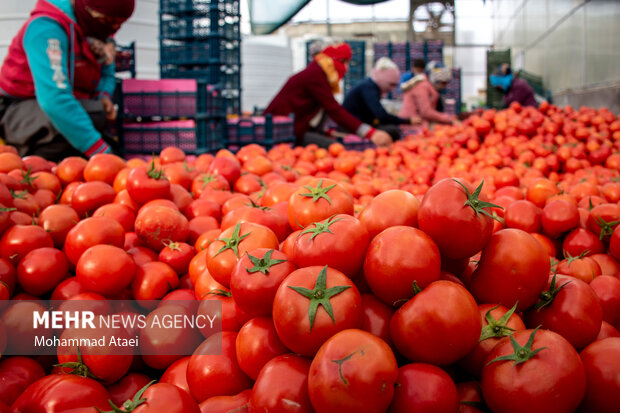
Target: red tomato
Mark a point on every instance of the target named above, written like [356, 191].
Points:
[603, 219]
[89, 196]
[176, 374]
[513, 268]
[228, 167]
[318, 200]
[57, 220]
[105, 269]
[424, 388]
[41, 270]
[607, 289]
[163, 397]
[523, 215]
[213, 369]
[389, 209]
[178, 255]
[533, 371]
[16, 374]
[153, 280]
[127, 387]
[259, 215]
[256, 278]
[312, 304]
[434, 329]
[227, 404]
[71, 169]
[119, 212]
[92, 231]
[398, 257]
[376, 317]
[580, 240]
[103, 167]
[470, 397]
[224, 253]
[156, 225]
[282, 385]
[145, 183]
[62, 393]
[601, 361]
[353, 371]
[455, 205]
[497, 322]
[257, 343]
[18, 240]
[558, 217]
[339, 242]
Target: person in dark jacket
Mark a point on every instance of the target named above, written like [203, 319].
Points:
[55, 88]
[312, 90]
[364, 100]
[514, 89]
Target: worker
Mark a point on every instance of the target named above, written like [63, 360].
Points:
[312, 90]
[364, 100]
[418, 67]
[421, 96]
[55, 87]
[514, 89]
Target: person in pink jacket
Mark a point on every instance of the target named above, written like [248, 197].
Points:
[421, 94]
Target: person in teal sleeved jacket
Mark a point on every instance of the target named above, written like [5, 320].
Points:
[55, 82]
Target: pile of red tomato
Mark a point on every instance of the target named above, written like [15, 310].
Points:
[471, 268]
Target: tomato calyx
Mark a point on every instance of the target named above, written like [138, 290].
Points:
[416, 290]
[607, 228]
[475, 203]
[218, 292]
[78, 368]
[497, 328]
[18, 194]
[522, 353]
[173, 245]
[206, 179]
[320, 296]
[130, 404]
[570, 258]
[155, 173]
[262, 264]
[253, 204]
[27, 177]
[318, 192]
[547, 297]
[319, 228]
[3, 209]
[233, 241]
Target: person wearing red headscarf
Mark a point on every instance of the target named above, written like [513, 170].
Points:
[312, 90]
[55, 84]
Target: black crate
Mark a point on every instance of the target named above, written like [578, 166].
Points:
[126, 59]
[216, 50]
[200, 28]
[266, 131]
[196, 7]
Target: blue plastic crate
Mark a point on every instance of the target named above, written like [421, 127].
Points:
[198, 6]
[266, 131]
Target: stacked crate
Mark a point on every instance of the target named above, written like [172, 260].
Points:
[452, 94]
[184, 113]
[266, 131]
[201, 39]
[126, 59]
[494, 59]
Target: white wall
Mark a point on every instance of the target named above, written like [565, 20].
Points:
[267, 62]
[143, 27]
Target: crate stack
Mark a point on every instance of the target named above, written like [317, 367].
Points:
[433, 51]
[452, 94]
[154, 114]
[266, 131]
[126, 60]
[201, 39]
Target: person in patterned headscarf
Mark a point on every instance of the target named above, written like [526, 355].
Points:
[55, 85]
[312, 90]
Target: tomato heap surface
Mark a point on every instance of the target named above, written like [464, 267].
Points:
[469, 268]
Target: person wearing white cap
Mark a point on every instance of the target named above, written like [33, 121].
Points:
[421, 96]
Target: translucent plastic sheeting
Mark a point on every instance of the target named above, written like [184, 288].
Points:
[266, 16]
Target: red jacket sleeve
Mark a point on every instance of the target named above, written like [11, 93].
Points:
[321, 91]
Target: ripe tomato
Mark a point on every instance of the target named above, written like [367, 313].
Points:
[103, 167]
[353, 371]
[178, 255]
[176, 374]
[513, 268]
[389, 209]
[433, 328]
[398, 257]
[213, 369]
[145, 183]
[127, 387]
[41, 270]
[105, 269]
[71, 169]
[57, 220]
[224, 253]
[424, 388]
[282, 385]
[339, 242]
[257, 343]
[316, 201]
[153, 280]
[580, 240]
[453, 204]
[226, 404]
[158, 224]
[376, 317]
[92, 231]
[534, 371]
[62, 393]
[607, 288]
[523, 215]
[250, 212]
[497, 322]
[558, 217]
[601, 361]
[16, 374]
[162, 397]
[312, 304]
[256, 278]
[19, 240]
[119, 212]
[89, 196]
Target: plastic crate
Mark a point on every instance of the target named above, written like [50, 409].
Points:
[126, 59]
[263, 130]
[494, 59]
[195, 28]
[198, 6]
[169, 98]
[355, 143]
[191, 136]
[216, 50]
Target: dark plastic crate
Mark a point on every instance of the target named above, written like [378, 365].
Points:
[126, 59]
[266, 131]
[198, 6]
[191, 136]
[216, 50]
[355, 143]
[188, 28]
